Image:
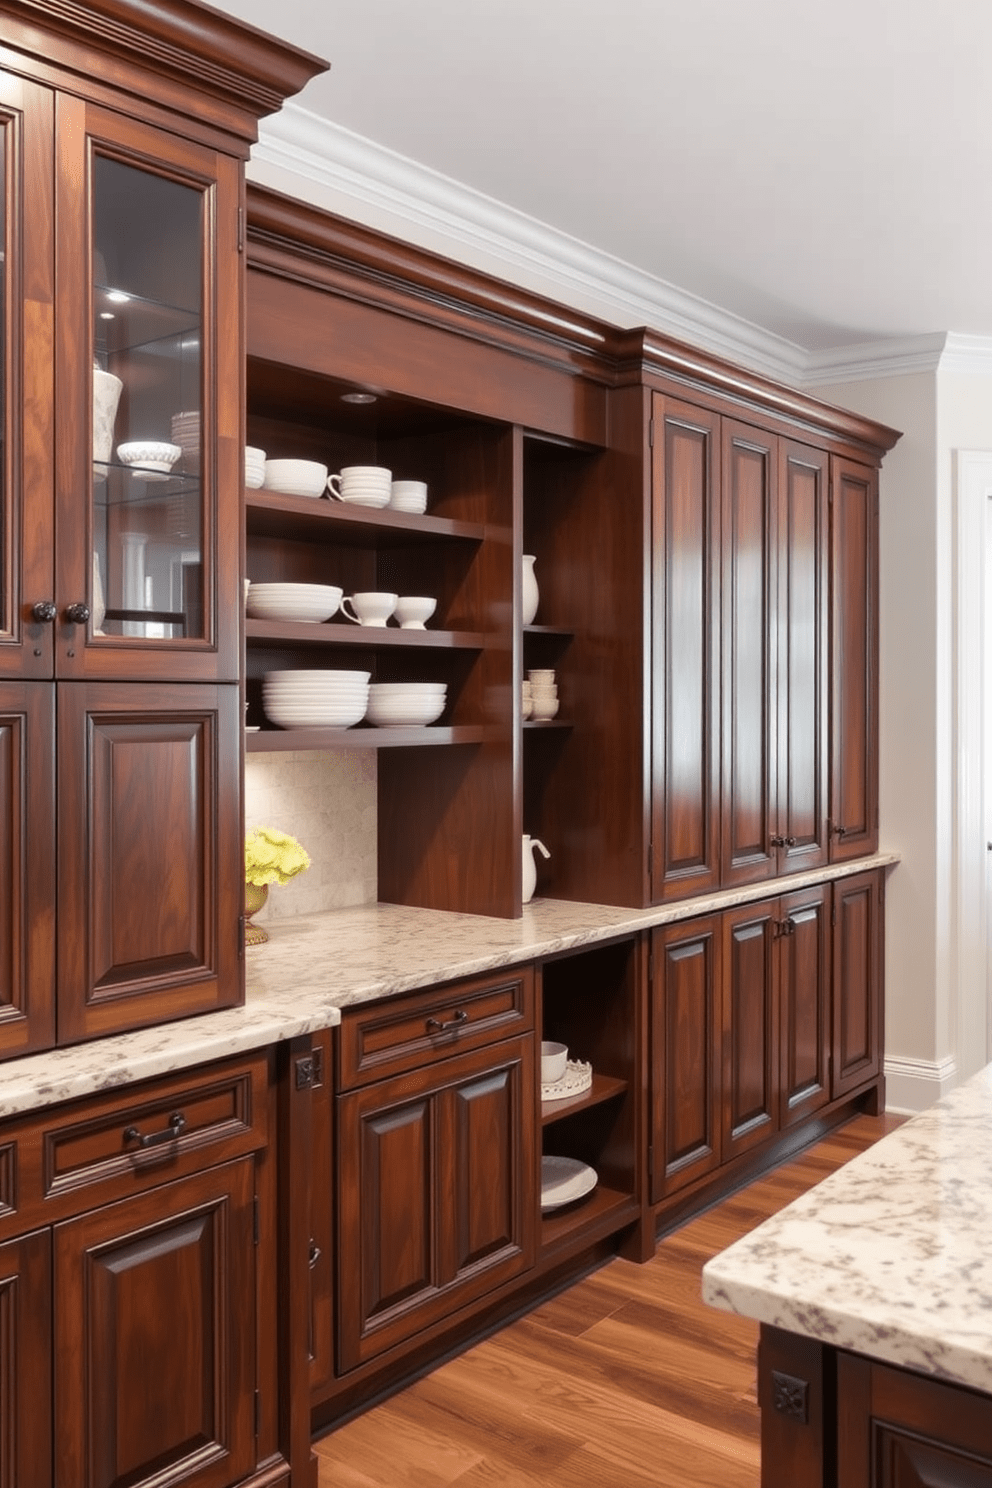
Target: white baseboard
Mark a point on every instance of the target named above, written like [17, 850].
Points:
[912, 1085]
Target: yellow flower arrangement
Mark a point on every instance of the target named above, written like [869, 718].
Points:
[272, 857]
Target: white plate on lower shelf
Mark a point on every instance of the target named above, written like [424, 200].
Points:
[563, 1180]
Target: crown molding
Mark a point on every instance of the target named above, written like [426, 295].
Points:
[303, 155]
[357, 178]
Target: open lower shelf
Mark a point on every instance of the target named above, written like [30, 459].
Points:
[545, 724]
[604, 1211]
[552, 632]
[267, 740]
[300, 633]
[604, 1088]
[271, 514]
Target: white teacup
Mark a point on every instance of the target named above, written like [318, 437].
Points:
[366, 485]
[414, 610]
[408, 496]
[372, 608]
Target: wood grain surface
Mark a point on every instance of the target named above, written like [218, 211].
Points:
[625, 1379]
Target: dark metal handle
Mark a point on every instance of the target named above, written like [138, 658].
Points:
[77, 614]
[314, 1253]
[784, 927]
[776, 840]
[433, 1026]
[175, 1128]
[839, 831]
[790, 841]
[44, 611]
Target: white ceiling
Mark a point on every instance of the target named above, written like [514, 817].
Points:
[823, 170]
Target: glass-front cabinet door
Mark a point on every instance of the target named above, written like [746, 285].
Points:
[148, 390]
[27, 280]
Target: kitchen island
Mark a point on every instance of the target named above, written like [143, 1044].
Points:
[874, 1295]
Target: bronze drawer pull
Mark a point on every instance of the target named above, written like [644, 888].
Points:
[433, 1026]
[171, 1133]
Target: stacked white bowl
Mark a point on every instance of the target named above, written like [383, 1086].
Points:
[295, 477]
[186, 433]
[309, 602]
[408, 496]
[315, 699]
[543, 694]
[395, 704]
[254, 467]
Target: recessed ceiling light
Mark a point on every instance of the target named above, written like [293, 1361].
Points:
[359, 398]
[107, 315]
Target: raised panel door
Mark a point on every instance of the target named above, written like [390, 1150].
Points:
[149, 446]
[804, 1003]
[749, 638]
[27, 339]
[155, 1337]
[685, 650]
[854, 660]
[26, 1362]
[150, 880]
[857, 981]
[750, 1026]
[437, 1194]
[802, 737]
[685, 1053]
[27, 867]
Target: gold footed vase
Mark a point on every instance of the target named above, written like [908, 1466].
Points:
[255, 897]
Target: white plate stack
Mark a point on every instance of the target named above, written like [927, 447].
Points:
[186, 433]
[315, 699]
[309, 602]
[254, 467]
[399, 704]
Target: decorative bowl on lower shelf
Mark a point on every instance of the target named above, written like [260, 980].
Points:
[565, 1180]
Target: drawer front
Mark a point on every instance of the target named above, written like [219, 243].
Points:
[94, 1151]
[391, 1038]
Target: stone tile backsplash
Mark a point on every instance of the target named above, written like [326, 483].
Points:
[327, 801]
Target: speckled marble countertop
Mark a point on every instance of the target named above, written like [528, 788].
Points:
[890, 1255]
[312, 967]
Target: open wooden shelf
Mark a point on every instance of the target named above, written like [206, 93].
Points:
[268, 740]
[304, 518]
[604, 1088]
[547, 723]
[330, 633]
[602, 1213]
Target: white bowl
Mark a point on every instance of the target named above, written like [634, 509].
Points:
[554, 1060]
[343, 717]
[302, 674]
[389, 713]
[295, 477]
[149, 454]
[407, 689]
[254, 467]
[544, 709]
[310, 602]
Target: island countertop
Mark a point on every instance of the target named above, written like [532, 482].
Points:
[889, 1256]
[315, 965]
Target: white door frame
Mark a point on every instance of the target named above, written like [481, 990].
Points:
[972, 723]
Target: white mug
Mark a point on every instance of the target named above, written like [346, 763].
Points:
[372, 608]
[414, 610]
[368, 485]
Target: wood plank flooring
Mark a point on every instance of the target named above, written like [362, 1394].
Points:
[626, 1379]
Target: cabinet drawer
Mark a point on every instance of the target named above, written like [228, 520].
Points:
[390, 1038]
[94, 1151]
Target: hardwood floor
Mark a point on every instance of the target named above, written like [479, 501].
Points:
[625, 1379]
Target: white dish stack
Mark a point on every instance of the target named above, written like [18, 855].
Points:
[540, 699]
[307, 602]
[396, 704]
[254, 467]
[315, 699]
[186, 433]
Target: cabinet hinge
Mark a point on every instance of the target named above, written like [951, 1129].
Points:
[256, 1222]
[241, 229]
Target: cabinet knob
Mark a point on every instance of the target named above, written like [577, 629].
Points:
[77, 614]
[790, 841]
[44, 611]
[776, 839]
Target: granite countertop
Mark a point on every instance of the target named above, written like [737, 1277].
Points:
[314, 966]
[890, 1255]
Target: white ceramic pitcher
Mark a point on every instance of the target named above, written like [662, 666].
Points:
[530, 869]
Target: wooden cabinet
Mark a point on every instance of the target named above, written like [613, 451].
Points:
[854, 660]
[807, 994]
[121, 466]
[750, 1025]
[436, 1196]
[26, 1411]
[858, 1008]
[155, 1336]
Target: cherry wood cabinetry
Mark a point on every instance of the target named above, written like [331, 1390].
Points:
[858, 1011]
[854, 660]
[26, 1361]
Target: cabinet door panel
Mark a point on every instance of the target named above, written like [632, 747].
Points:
[685, 683]
[27, 341]
[802, 658]
[685, 1073]
[749, 628]
[26, 1362]
[857, 981]
[750, 1026]
[155, 1327]
[477, 1131]
[804, 1004]
[27, 867]
[149, 868]
[854, 660]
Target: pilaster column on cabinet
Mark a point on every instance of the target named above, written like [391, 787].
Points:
[854, 659]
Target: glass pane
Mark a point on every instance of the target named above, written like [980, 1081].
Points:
[147, 404]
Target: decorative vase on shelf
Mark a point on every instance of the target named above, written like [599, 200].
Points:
[530, 596]
[107, 391]
[530, 869]
[255, 897]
